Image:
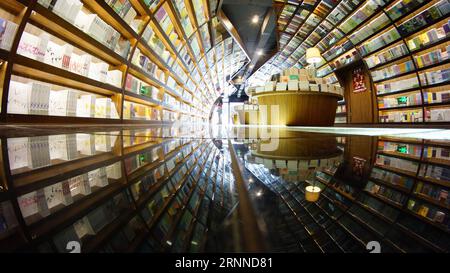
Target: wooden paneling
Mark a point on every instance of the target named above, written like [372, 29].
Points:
[299, 108]
[360, 106]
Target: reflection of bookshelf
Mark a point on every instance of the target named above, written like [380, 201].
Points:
[92, 190]
[341, 112]
[105, 38]
[414, 176]
[382, 208]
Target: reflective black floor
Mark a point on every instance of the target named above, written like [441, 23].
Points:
[200, 188]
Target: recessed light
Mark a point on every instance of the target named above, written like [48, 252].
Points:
[259, 52]
[255, 19]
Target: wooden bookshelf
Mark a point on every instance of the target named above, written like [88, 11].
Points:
[398, 13]
[27, 13]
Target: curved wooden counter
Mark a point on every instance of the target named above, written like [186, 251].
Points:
[299, 107]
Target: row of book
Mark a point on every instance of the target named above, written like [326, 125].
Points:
[34, 152]
[42, 48]
[398, 85]
[332, 38]
[147, 65]
[347, 58]
[401, 101]
[369, 8]
[184, 17]
[337, 50]
[43, 202]
[137, 86]
[432, 152]
[425, 18]
[392, 178]
[393, 70]
[430, 212]
[437, 114]
[8, 31]
[36, 98]
[402, 8]
[92, 24]
[369, 29]
[387, 55]
[435, 77]
[374, 44]
[413, 115]
[294, 85]
[433, 57]
[138, 111]
[93, 222]
[434, 192]
[435, 172]
[429, 37]
[386, 192]
[155, 43]
[401, 148]
[124, 9]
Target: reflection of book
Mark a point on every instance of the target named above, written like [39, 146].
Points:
[97, 219]
[98, 178]
[423, 211]
[67, 235]
[443, 195]
[8, 219]
[114, 171]
[79, 185]
[102, 143]
[86, 144]
[38, 152]
[63, 147]
[439, 217]
[83, 227]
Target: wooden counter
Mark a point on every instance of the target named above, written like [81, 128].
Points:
[299, 107]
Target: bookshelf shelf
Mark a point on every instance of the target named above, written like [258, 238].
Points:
[57, 26]
[399, 107]
[431, 191]
[398, 92]
[111, 17]
[81, 207]
[33, 69]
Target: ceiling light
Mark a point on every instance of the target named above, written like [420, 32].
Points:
[255, 19]
[260, 52]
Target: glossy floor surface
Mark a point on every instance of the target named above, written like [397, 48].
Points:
[201, 188]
